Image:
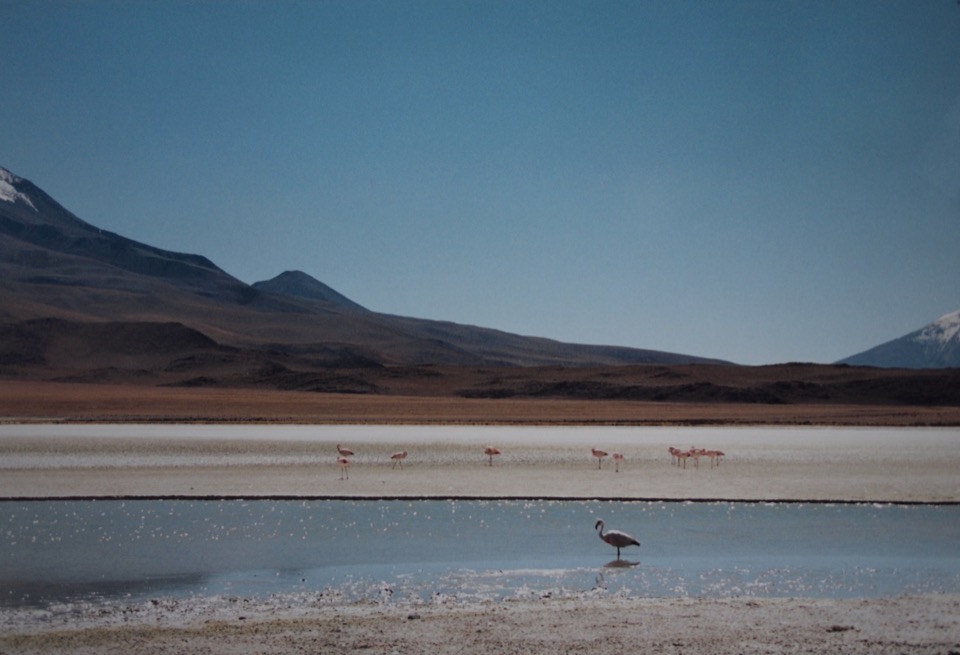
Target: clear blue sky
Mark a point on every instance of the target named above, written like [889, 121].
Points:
[760, 181]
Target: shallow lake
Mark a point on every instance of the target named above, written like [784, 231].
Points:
[54, 552]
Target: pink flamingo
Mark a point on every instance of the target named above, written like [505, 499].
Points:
[616, 538]
[715, 457]
[617, 458]
[344, 467]
[599, 454]
[696, 453]
[398, 459]
[490, 451]
[674, 455]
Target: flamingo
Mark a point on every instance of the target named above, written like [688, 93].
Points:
[599, 454]
[696, 453]
[344, 467]
[398, 458]
[684, 455]
[715, 457]
[616, 538]
[617, 458]
[346, 452]
[490, 451]
[674, 455]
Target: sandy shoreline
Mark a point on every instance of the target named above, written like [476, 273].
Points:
[876, 464]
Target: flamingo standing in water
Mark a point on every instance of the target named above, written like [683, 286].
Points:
[344, 452]
[617, 458]
[616, 538]
[398, 459]
[599, 454]
[344, 467]
[490, 451]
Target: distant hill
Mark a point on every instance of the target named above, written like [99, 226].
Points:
[53, 265]
[936, 345]
[300, 285]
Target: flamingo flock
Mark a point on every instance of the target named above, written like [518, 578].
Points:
[678, 458]
[397, 458]
[344, 460]
[600, 454]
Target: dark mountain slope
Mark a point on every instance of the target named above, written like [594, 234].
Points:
[504, 348]
[55, 265]
[42, 226]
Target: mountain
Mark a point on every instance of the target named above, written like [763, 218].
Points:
[81, 304]
[41, 242]
[65, 283]
[936, 345]
[301, 285]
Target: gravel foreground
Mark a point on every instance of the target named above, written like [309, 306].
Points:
[914, 624]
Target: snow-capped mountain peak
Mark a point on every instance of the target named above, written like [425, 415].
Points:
[942, 331]
[8, 192]
[936, 345]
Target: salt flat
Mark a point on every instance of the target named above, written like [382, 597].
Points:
[760, 463]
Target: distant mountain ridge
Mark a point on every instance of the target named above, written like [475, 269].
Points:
[53, 265]
[83, 305]
[936, 345]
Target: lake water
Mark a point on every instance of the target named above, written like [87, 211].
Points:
[55, 552]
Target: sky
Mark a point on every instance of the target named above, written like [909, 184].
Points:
[759, 181]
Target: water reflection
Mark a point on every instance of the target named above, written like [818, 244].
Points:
[54, 552]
